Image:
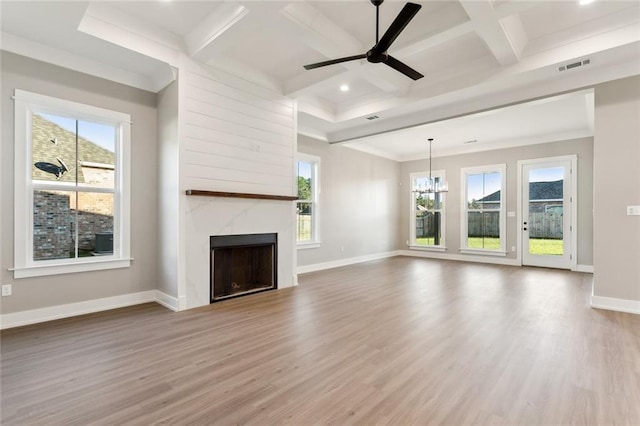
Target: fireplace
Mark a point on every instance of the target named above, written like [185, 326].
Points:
[242, 264]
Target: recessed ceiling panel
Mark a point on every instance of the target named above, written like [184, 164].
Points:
[580, 20]
[359, 18]
[452, 57]
[358, 88]
[165, 13]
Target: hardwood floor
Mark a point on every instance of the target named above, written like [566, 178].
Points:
[397, 341]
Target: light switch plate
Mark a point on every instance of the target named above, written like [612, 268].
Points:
[633, 210]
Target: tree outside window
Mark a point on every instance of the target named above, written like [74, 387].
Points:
[427, 217]
[307, 203]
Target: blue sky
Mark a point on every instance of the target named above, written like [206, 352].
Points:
[100, 134]
[481, 185]
[304, 169]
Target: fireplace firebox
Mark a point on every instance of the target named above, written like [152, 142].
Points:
[242, 264]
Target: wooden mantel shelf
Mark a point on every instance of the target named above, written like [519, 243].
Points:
[239, 195]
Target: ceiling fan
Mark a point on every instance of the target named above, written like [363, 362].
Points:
[378, 53]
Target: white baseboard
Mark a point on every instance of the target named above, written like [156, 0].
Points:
[167, 301]
[613, 304]
[460, 257]
[584, 268]
[344, 262]
[50, 313]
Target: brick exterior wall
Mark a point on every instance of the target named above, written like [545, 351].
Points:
[54, 219]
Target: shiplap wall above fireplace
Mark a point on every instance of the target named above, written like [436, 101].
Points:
[229, 135]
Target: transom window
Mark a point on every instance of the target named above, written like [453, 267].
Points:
[308, 182]
[427, 212]
[483, 221]
[71, 189]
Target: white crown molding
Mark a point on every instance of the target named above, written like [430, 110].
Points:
[107, 23]
[65, 59]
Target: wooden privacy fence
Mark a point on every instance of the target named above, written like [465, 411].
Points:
[545, 225]
[425, 224]
[487, 224]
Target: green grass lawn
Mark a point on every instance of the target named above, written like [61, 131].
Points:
[536, 246]
[546, 247]
[483, 243]
[427, 241]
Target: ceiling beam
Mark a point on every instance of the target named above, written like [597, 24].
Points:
[107, 23]
[223, 17]
[497, 34]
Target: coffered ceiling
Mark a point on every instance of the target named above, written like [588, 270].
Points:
[476, 55]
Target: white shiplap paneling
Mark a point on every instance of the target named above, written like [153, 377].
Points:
[237, 137]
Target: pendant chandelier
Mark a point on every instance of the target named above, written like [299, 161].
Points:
[432, 186]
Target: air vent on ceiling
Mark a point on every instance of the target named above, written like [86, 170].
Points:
[373, 117]
[574, 65]
[471, 141]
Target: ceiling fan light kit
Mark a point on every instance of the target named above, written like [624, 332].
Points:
[378, 53]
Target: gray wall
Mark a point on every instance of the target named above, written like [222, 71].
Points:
[452, 165]
[617, 185]
[31, 293]
[359, 210]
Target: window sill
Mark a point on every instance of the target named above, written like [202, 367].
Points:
[69, 268]
[305, 246]
[484, 252]
[428, 248]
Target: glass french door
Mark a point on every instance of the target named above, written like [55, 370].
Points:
[547, 200]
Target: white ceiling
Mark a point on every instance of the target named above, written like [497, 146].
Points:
[476, 55]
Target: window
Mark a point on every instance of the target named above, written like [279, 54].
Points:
[483, 221]
[71, 187]
[307, 205]
[427, 213]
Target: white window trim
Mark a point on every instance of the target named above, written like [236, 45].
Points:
[502, 168]
[412, 208]
[27, 103]
[315, 242]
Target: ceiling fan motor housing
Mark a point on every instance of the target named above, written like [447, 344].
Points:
[376, 57]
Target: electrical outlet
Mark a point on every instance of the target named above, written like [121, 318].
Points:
[6, 290]
[513, 248]
[342, 249]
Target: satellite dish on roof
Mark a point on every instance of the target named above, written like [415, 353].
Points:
[47, 167]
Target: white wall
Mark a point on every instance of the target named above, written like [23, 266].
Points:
[358, 207]
[169, 187]
[617, 185]
[38, 293]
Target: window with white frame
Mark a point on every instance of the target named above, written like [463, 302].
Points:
[308, 181]
[71, 186]
[483, 204]
[427, 212]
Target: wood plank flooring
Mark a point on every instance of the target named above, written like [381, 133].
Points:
[397, 341]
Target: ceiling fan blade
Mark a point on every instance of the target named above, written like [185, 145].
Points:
[403, 68]
[334, 61]
[404, 17]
